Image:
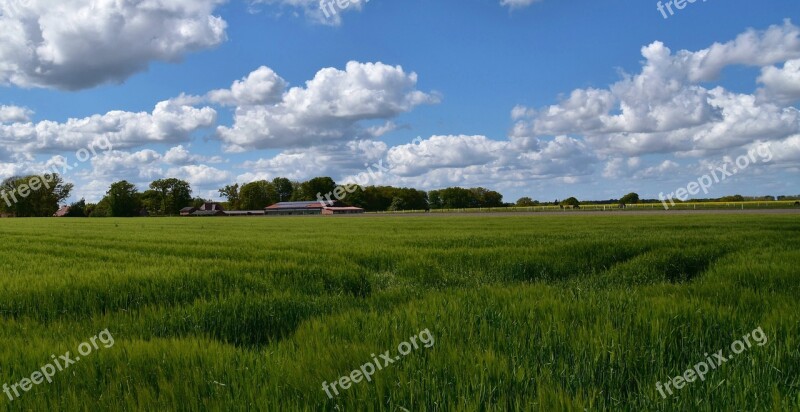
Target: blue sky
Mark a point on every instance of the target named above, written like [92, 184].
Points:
[547, 99]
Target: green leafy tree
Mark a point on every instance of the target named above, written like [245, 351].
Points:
[457, 198]
[175, 195]
[123, 199]
[571, 202]
[381, 198]
[284, 188]
[435, 199]
[231, 192]
[357, 198]
[33, 196]
[257, 195]
[316, 186]
[630, 199]
[153, 201]
[77, 209]
[486, 198]
[734, 198]
[397, 204]
[198, 202]
[101, 209]
[526, 202]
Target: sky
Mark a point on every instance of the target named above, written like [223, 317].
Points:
[532, 98]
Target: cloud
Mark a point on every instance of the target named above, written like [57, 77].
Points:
[181, 156]
[435, 162]
[664, 109]
[144, 166]
[330, 15]
[752, 48]
[14, 114]
[331, 107]
[443, 152]
[781, 85]
[201, 175]
[334, 160]
[261, 87]
[79, 44]
[658, 171]
[168, 123]
[517, 4]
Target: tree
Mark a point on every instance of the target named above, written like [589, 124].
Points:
[381, 198]
[102, 209]
[33, 196]
[198, 202]
[77, 209]
[571, 202]
[398, 204]
[257, 195]
[630, 199]
[734, 198]
[526, 202]
[123, 199]
[316, 186]
[456, 198]
[231, 192]
[435, 199]
[486, 198]
[284, 188]
[153, 201]
[175, 195]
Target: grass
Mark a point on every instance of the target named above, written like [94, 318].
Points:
[572, 312]
[641, 207]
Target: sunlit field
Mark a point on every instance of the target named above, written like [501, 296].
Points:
[577, 312]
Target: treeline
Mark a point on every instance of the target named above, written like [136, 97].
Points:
[41, 196]
[165, 197]
[633, 198]
[33, 196]
[255, 195]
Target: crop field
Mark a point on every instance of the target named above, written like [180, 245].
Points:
[521, 313]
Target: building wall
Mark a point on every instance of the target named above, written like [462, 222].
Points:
[292, 212]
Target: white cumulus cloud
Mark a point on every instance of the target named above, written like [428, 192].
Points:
[79, 44]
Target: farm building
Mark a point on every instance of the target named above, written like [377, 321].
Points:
[187, 211]
[209, 209]
[62, 212]
[238, 213]
[342, 210]
[294, 208]
[308, 208]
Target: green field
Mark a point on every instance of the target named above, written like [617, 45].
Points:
[550, 313]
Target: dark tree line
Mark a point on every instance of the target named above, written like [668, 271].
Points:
[165, 197]
[260, 194]
[40, 196]
[257, 195]
[460, 198]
